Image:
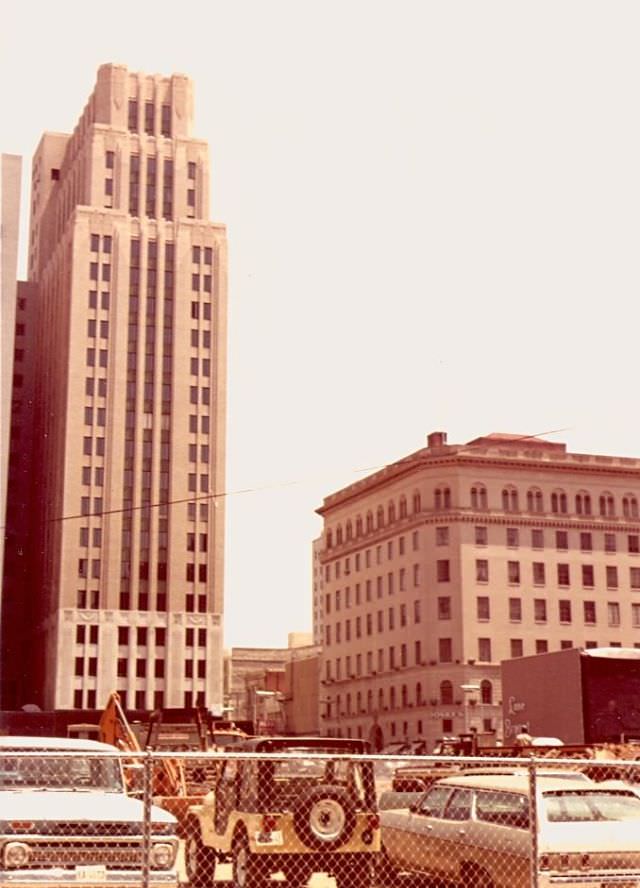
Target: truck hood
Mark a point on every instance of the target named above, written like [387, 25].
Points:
[68, 805]
[589, 837]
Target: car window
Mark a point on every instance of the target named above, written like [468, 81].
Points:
[503, 808]
[434, 800]
[459, 805]
[567, 806]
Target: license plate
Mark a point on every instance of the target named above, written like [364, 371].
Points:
[271, 838]
[91, 874]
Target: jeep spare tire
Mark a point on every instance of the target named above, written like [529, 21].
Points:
[324, 817]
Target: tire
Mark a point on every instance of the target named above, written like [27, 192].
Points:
[247, 869]
[324, 818]
[200, 861]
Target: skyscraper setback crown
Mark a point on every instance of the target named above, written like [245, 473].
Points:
[126, 450]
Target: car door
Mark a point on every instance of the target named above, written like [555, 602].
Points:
[421, 851]
[452, 831]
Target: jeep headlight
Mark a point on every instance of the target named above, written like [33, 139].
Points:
[16, 854]
[162, 855]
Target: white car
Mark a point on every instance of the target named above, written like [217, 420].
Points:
[65, 817]
[477, 832]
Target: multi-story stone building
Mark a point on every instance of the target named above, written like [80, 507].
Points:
[457, 557]
[124, 549]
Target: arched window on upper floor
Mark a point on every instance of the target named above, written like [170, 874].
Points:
[446, 693]
[339, 535]
[417, 503]
[369, 522]
[478, 496]
[349, 530]
[583, 503]
[607, 505]
[629, 506]
[391, 512]
[510, 499]
[359, 526]
[402, 507]
[559, 502]
[442, 498]
[486, 691]
[535, 502]
[380, 517]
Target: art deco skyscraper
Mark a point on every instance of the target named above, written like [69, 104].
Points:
[125, 547]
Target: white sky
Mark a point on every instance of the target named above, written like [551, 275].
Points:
[433, 212]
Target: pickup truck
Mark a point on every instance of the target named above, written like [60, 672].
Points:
[66, 818]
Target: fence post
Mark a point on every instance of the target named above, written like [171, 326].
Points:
[146, 823]
[533, 821]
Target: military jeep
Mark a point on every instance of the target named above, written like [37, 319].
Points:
[298, 806]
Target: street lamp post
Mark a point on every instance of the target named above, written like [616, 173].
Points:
[467, 690]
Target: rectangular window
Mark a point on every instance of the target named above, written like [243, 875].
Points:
[443, 571]
[416, 610]
[133, 116]
[484, 650]
[513, 537]
[610, 542]
[633, 543]
[513, 571]
[444, 608]
[445, 650]
[542, 646]
[588, 581]
[634, 577]
[562, 540]
[635, 616]
[563, 575]
[442, 536]
[166, 121]
[537, 539]
[481, 536]
[483, 608]
[589, 608]
[515, 610]
[516, 648]
[564, 610]
[149, 114]
[482, 570]
[538, 573]
[540, 610]
[612, 576]
[613, 613]
[586, 542]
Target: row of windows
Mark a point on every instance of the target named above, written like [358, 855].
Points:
[149, 119]
[589, 609]
[106, 243]
[587, 542]
[384, 699]
[563, 574]
[558, 502]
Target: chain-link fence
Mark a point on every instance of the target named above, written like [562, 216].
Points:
[306, 816]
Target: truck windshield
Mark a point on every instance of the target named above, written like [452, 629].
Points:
[30, 772]
[570, 807]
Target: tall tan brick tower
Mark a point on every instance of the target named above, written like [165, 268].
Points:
[126, 540]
